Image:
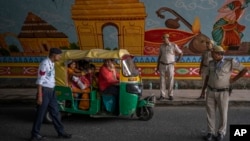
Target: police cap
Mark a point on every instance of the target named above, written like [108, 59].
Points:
[55, 51]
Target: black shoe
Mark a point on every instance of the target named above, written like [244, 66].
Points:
[219, 137]
[65, 135]
[37, 138]
[161, 98]
[171, 98]
[209, 137]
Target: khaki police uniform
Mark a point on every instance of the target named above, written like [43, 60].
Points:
[166, 67]
[206, 58]
[218, 92]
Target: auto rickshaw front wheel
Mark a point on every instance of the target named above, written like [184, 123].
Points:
[144, 113]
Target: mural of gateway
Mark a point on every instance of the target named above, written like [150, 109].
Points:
[127, 16]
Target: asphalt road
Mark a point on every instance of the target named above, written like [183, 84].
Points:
[168, 124]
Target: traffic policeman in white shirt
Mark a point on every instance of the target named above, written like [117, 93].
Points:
[218, 82]
[46, 98]
[165, 66]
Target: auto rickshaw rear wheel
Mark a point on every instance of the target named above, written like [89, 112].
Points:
[144, 113]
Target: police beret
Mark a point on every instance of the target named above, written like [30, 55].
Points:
[55, 51]
[212, 42]
[218, 49]
[165, 35]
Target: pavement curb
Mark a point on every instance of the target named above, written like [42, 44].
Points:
[182, 97]
[165, 103]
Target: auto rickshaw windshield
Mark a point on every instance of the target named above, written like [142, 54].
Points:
[129, 68]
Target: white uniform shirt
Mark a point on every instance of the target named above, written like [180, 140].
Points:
[46, 74]
[220, 73]
[168, 53]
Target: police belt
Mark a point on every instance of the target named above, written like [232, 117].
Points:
[218, 90]
[166, 63]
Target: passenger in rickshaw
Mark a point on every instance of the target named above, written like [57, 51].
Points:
[79, 85]
[109, 84]
[83, 65]
[92, 76]
[76, 77]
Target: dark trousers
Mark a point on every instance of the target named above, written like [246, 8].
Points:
[49, 103]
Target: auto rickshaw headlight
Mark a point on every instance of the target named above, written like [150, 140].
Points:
[134, 88]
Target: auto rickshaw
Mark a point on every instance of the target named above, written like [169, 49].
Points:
[130, 83]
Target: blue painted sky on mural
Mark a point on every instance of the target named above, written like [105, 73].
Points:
[58, 14]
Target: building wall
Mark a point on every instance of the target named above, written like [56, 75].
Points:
[81, 22]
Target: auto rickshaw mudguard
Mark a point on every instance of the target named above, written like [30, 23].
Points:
[148, 101]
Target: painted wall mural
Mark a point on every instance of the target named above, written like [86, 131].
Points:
[227, 30]
[30, 28]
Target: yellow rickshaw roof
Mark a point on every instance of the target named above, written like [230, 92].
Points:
[61, 67]
[93, 53]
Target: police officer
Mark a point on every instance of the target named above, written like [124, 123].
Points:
[206, 57]
[165, 66]
[217, 82]
[46, 98]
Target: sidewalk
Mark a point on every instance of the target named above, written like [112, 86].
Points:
[182, 97]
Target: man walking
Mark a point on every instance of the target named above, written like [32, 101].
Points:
[46, 98]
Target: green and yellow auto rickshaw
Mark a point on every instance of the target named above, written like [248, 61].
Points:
[131, 102]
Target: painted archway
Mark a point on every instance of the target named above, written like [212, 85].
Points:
[128, 15]
[110, 32]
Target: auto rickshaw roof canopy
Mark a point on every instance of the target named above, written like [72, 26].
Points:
[61, 67]
[94, 53]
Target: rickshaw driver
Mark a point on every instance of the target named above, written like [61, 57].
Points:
[109, 80]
